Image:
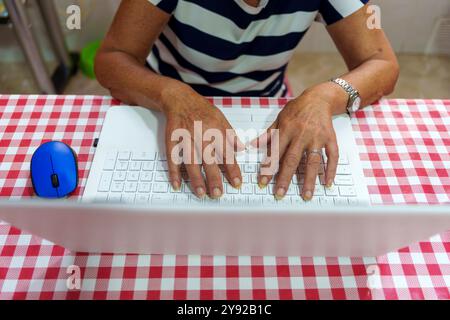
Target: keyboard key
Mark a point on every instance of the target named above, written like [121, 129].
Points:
[105, 181]
[142, 198]
[148, 165]
[250, 168]
[122, 165]
[111, 155]
[132, 175]
[259, 191]
[143, 156]
[131, 187]
[344, 170]
[162, 156]
[120, 176]
[124, 155]
[161, 199]
[162, 166]
[332, 192]
[247, 189]
[161, 177]
[326, 201]
[347, 191]
[172, 190]
[231, 189]
[343, 181]
[101, 197]
[147, 176]
[269, 200]
[128, 198]
[182, 199]
[240, 200]
[160, 188]
[340, 201]
[117, 186]
[319, 191]
[195, 200]
[343, 159]
[353, 201]
[109, 165]
[297, 200]
[255, 200]
[114, 197]
[144, 187]
[226, 200]
[212, 202]
[135, 166]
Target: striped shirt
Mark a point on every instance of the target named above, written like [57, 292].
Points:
[227, 47]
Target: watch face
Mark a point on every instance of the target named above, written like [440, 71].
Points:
[356, 104]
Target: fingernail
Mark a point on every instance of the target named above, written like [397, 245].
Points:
[200, 192]
[237, 183]
[176, 186]
[281, 192]
[263, 182]
[217, 193]
[329, 184]
[308, 196]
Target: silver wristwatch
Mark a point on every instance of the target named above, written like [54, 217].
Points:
[354, 101]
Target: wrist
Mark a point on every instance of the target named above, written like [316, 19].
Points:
[173, 92]
[333, 95]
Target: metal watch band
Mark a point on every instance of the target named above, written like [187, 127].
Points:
[352, 93]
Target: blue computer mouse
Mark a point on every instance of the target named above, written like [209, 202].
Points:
[54, 170]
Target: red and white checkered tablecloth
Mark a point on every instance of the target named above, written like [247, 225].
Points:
[405, 149]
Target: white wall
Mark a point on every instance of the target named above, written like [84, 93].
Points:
[408, 23]
[96, 16]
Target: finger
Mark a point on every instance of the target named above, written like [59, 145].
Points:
[173, 159]
[289, 164]
[212, 156]
[332, 151]
[270, 166]
[233, 174]
[195, 175]
[311, 173]
[213, 180]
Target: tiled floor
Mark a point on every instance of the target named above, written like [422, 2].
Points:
[421, 76]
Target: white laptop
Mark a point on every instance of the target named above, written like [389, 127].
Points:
[129, 207]
[130, 165]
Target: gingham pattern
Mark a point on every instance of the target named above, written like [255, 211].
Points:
[404, 146]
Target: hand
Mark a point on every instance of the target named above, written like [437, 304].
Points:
[305, 128]
[186, 110]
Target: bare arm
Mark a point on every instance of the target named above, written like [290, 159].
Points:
[305, 124]
[120, 67]
[120, 62]
[372, 64]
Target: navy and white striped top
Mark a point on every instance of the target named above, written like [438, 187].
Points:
[227, 47]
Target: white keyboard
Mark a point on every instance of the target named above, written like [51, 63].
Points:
[142, 178]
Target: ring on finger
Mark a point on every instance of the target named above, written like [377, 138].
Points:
[315, 151]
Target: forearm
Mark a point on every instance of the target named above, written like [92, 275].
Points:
[373, 79]
[133, 83]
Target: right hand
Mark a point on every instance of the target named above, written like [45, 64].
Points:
[182, 108]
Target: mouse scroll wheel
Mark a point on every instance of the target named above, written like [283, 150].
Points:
[55, 180]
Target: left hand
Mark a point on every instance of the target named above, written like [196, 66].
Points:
[305, 127]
